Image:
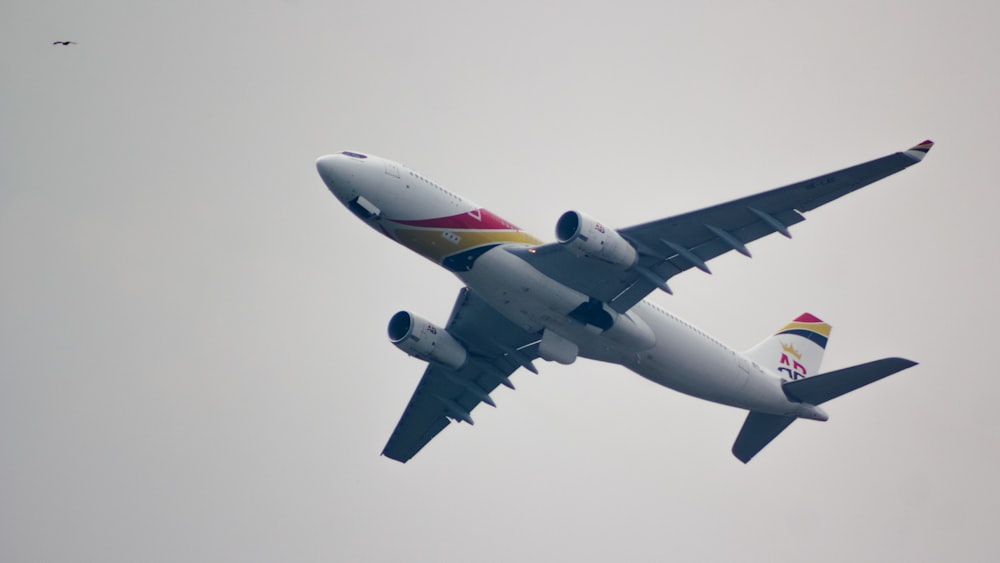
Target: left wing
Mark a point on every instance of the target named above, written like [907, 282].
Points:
[496, 348]
[670, 246]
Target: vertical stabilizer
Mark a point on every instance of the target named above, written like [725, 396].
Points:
[796, 351]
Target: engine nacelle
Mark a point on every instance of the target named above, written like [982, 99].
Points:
[423, 339]
[583, 235]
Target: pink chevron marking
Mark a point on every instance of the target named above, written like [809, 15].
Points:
[807, 318]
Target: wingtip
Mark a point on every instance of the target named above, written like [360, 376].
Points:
[395, 457]
[742, 456]
[905, 363]
[920, 150]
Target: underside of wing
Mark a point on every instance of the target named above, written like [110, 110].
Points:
[496, 348]
[670, 246]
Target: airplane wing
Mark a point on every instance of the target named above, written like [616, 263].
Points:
[670, 246]
[496, 347]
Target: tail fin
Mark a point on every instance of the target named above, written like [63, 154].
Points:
[796, 351]
[760, 428]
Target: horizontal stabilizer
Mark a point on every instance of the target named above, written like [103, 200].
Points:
[824, 387]
[759, 428]
[757, 432]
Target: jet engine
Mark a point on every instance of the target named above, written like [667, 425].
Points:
[584, 236]
[423, 339]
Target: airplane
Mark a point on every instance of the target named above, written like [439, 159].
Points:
[583, 296]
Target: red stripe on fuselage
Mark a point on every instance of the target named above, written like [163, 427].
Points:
[478, 219]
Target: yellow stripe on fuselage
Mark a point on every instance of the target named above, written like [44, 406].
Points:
[436, 244]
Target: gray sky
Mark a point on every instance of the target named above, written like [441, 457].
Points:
[193, 361]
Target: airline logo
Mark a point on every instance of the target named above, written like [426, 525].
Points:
[791, 364]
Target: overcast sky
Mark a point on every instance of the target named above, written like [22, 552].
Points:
[193, 359]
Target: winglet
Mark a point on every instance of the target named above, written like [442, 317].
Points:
[919, 151]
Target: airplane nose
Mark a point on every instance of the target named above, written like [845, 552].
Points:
[331, 169]
[325, 165]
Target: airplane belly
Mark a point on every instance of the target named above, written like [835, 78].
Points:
[535, 302]
[519, 291]
[689, 361]
[647, 341]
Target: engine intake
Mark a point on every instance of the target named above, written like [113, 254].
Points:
[584, 236]
[423, 339]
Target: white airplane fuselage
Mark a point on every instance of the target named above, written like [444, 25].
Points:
[473, 244]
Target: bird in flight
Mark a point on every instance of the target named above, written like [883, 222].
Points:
[64, 42]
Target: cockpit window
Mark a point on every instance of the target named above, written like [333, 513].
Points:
[354, 154]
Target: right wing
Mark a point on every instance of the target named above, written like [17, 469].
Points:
[670, 246]
[496, 347]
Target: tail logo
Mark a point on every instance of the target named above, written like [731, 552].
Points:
[793, 369]
[789, 348]
[802, 343]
